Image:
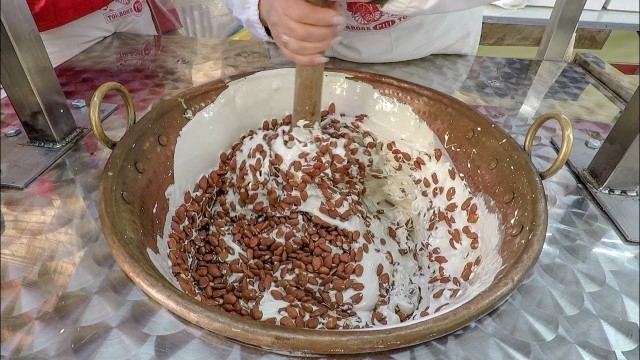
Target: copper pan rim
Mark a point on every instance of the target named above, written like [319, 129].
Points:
[321, 342]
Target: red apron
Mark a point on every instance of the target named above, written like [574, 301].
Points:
[50, 14]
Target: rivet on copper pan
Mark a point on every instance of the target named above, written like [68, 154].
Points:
[469, 134]
[493, 163]
[162, 140]
[508, 197]
[516, 230]
[139, 167]
[126, 197]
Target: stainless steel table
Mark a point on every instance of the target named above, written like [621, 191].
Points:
[63, 295]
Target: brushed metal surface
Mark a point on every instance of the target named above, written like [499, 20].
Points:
[63, 296]
[23, 163]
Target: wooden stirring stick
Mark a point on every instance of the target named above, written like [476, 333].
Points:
[307, 97]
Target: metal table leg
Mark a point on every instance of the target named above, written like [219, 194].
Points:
[559, 36]
[610, 170]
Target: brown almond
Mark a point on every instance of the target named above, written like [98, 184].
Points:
[318, 312]
[332, 323]
[286, 322]
[440, 259]
[437, 154]
[355, 299]
[316, 263]
[255, 313]
[384, 279]
[229, 298]
[291, 312]
[349, 269]
[454, 293]
[451, 193]
[465, 205]
[213, 270]
[438, 294]
[312, 323]
[358, 286]
[277, 294]
[359, 270]
[466, 272]
[452, 174]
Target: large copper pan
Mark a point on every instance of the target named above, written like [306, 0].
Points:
[141, 168]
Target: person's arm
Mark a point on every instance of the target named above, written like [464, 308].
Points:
[428, 7]
[247, 13]
[301, 30]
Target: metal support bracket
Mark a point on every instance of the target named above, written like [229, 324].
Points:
[610, 170]
[614, 168]
[22, 163]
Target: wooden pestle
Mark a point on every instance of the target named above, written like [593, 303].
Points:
[307, 98]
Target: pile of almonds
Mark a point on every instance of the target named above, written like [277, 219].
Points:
[246, 235]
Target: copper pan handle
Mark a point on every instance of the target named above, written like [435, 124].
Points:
[94, 111]
[565, 147]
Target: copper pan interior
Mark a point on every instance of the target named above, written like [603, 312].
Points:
[133, 209]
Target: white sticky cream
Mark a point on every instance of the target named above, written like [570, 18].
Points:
[245, 104]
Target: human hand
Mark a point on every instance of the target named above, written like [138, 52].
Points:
[302, 31]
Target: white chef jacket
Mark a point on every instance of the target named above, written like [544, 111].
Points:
[398, 31]
[66, 41]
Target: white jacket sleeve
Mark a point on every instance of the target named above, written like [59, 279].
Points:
[246, 12]
[428, 7]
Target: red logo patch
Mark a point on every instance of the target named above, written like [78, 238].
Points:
[137, 6]
[364, 13]
[384, 25]
[135, 9]
[366, 17]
